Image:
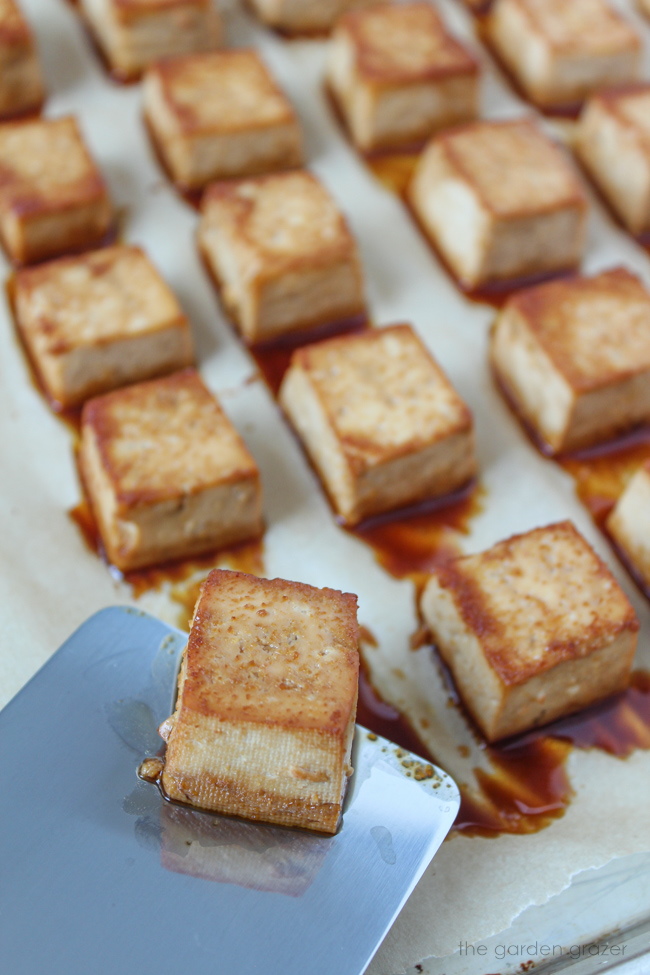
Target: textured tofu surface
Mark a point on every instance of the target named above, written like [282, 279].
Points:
[266, 704]
[579, 27]
[282, 253]
[98, 321]
[381, 421]
[221, 91]
[21, 84]
[574, 355]
[52, 195]
[562, 52]
[499, 200]
[513, 168]
[220, 115]
[533, 628]
[403, 42]
[166, 472]
[629, 523]
[136, 33]
[398, 76]
[613, 143]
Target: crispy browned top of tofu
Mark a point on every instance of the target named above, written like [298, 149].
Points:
[383, 392]
[94, 298]
[222, 91]
[596, 330]
[44, 164]
[163, 439]
[514, 169]
[402, 43]
[273, 652]
[630, 105]
[537, 599]
[580, 26]
[279, 222]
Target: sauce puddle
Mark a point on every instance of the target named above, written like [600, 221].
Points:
[527, 786]
[413, 542]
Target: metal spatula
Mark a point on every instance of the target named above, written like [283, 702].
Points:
[99, 874]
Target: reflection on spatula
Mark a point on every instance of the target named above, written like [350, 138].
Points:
[116, 878]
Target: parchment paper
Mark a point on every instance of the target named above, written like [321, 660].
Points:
[51, 582]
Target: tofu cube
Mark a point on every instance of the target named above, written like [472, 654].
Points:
[220, 115]
[52, 195]
[281, 253]
[644, 7]
[21, 82]
[499, 201]
[380, 420]
[613, 144]
[267, 696]
[629, 523]
[533, 629]
[133, 34]
[98, 321]
[561, 52]
[398, 76]
[574, 358]
[304, 16]
[166, 473]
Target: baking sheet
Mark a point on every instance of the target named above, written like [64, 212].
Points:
[51, 583]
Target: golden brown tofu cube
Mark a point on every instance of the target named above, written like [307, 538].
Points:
[166, 473]
[561, 52]
[613, 144]
[219, 115]
[98, 321]
[644, 6]
[52, 196]
[380, 420]
[133, 34]
[281, 253]
[629, 523]
[21, 82]
[304, 16]
[499, 200]
[398, 76]
[267, 695]
[532, 629]
[574, 358]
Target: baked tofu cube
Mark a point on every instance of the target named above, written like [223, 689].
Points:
[397, 76]
[281, 253]
[629, 523]
[380, 421]
[267, 695]
[99, 321]
[644, 7]
[574, 358]
[133, 34]
[220, 115]
[21, 83]
[499, 200]
[52, 196]
[166, 473]
[533, 629]
[304, 16]
[561, 52]
[613, 144]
